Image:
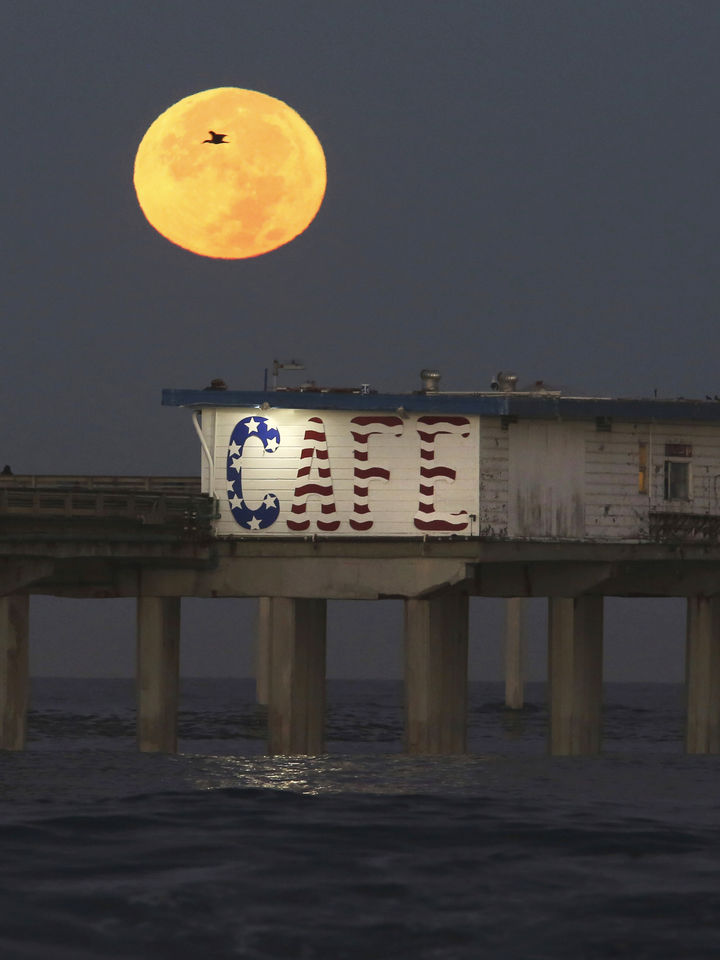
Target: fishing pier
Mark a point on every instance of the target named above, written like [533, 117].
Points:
[432, 498]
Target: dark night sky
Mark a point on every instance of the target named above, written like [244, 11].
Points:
[528, 185]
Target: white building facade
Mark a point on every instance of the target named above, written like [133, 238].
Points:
[493, 466]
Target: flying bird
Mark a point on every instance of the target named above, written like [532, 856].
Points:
[216, 137]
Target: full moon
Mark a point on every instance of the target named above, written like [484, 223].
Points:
[230, 173]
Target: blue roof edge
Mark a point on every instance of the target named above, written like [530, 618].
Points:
[489, 405]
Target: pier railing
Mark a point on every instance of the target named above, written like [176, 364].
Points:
[173, 503]
[666, 527]
[176, 505]
[179, 485]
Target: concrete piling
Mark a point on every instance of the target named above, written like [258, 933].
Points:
[575, 642]
[436, 671]
[296, 701]
[515, 628]
[14, 682]
[158, 673]
[702, 675]
[263, 641]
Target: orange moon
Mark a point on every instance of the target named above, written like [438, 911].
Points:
[252, 192]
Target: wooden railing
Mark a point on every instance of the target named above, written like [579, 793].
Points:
[171, 502]
[666, 527]
[184, 485]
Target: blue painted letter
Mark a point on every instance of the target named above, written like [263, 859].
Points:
[267, 513]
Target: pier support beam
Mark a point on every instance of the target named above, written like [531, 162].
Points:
[14, 683]
[436, 668]
[575, 641]
[515, 625]
[702, 675]
[158, 673]
[296, 708]
[263, 640]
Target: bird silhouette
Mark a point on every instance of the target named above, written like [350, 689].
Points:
[216, 137]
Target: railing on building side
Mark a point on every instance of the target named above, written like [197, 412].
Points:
[666, 527]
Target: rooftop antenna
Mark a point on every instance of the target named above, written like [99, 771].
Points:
[277, 366]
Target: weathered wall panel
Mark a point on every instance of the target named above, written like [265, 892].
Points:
[546, 479]
[613, 506]
[493, 516]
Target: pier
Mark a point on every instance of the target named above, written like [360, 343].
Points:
[48, 547]
[295, 506]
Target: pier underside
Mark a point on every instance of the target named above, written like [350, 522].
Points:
[160, 556]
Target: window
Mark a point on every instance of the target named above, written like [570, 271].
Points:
[677, 480]
[677, 471]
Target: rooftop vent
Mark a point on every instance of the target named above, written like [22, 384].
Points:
[505, 382]
[430, 380]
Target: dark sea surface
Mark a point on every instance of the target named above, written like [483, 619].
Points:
[362, 853]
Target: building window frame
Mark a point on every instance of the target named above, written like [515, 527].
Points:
[677, 472]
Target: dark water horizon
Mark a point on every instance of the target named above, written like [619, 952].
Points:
[362, 852]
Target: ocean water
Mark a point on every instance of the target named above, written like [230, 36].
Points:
[363, 853]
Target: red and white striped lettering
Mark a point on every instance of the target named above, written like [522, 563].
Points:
[427, 517]
[367, 427]
[314, 455]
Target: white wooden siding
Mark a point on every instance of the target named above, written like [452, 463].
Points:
[493, 515]
[546, 479]
[613, 507]
[393, 503]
